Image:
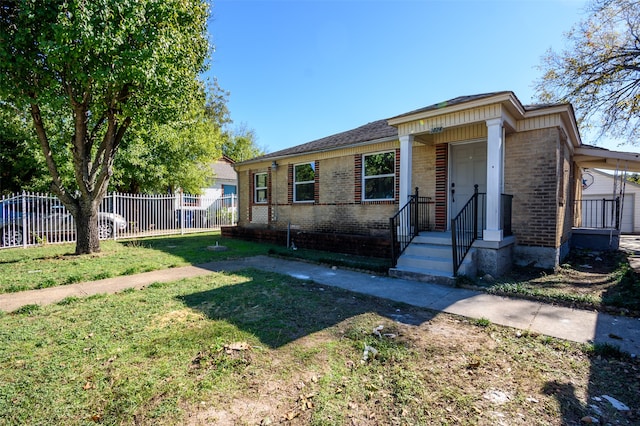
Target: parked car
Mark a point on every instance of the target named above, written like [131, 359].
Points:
[46, 219]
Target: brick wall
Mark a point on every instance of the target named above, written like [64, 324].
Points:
[531, 169]
[566, 189]
[337, 207]
[337, 243]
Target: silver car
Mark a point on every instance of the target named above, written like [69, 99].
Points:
[42, 219]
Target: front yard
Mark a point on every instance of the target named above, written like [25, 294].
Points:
[255, 348]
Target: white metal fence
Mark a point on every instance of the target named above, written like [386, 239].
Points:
[28, 219]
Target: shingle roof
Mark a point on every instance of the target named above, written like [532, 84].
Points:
[376, 130]
[369, 132]
[450, 102]
[223, 169]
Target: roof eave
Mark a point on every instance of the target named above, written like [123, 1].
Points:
[597, 158]
[504, 97]
[316, 151]
[568, 117]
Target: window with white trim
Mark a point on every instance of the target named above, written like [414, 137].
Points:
[379, 176]
[304, 179]
[260, 188]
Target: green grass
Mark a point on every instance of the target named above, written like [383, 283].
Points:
[53, 265]
[165, 355]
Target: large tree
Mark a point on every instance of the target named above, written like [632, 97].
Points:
[98, 66]
[178, 154]
[599, 73]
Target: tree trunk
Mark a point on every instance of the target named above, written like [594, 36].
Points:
[87, 239]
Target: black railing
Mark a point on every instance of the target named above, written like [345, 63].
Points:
[603, 213]
[464, 230]
[468, 225]
[411, 219]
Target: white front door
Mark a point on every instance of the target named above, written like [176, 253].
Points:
[468, 168]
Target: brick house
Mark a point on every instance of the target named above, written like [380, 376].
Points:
[339, 192]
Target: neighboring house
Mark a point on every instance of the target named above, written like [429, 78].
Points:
[225, 181]
[342, 190]
[599, 192]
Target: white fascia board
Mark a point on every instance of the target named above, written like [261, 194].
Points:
[605, 153]
[513, 102]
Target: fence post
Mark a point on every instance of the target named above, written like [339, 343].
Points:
[604, 212]
[180, 196]
[617, 213]
[234, 207]
[113, 211]
[25, 228]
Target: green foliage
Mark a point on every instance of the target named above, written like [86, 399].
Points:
[19, 168]
[598, 73]
[87, 71]
[161, 157]
[27, 309]
[241, 144]
[635, 178]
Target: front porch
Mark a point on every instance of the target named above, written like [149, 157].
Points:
[420, 253]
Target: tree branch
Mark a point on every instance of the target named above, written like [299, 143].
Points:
[57, 186]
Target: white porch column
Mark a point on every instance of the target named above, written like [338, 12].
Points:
[406, 149]
[495, 149]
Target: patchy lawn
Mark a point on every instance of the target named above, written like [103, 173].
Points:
[53, 265]
[595, 280]
[253, 348]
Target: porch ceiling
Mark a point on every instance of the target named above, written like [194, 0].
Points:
[600, 158]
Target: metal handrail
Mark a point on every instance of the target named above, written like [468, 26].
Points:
[600, 213]
[464, 230]
[405, 225]
[468, 224]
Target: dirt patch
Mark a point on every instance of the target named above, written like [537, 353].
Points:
[594, 280]
[452, 371]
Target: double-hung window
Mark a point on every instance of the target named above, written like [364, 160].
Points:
[379, 174]
[304, 178]
[260, 188]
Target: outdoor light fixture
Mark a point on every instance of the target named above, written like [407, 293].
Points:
[274, 165]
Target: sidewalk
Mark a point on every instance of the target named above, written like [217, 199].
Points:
[570, 324]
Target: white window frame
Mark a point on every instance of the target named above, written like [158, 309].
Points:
[256, 188]
[364, 177]
[295, 183]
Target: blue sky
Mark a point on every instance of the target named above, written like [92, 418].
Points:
[301, 70]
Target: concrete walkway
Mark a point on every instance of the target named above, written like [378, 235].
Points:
[570, 324]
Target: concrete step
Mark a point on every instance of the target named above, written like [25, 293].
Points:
[442, 264]
[429, 258]
[429, 250]
[436, 238]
